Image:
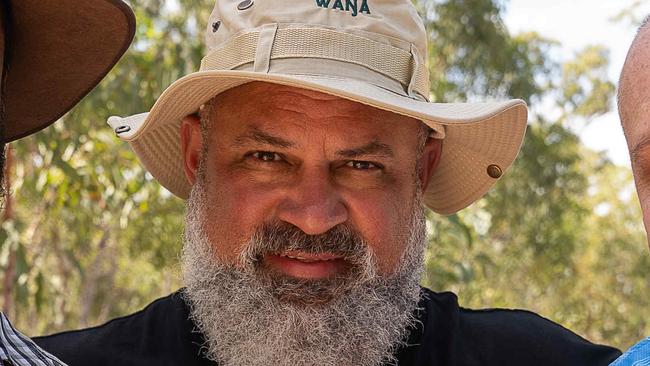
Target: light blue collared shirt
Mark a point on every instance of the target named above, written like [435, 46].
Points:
[638, 355]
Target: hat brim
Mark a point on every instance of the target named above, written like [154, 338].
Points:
[477, 134]
[58, 51]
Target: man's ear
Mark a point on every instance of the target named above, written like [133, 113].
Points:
[429, 160]
[191, 145]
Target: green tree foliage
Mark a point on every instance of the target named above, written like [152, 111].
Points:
[562, 233]
[633, 13]
[92, 236]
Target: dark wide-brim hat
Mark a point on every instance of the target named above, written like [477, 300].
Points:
[56, 52]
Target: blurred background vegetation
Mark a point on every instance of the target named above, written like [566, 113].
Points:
[88, 235]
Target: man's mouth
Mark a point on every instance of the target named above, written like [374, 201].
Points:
[309, 266]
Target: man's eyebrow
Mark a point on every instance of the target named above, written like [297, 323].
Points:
[258, 136]
[373, 148]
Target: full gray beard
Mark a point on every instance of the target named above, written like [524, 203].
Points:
[245, 321]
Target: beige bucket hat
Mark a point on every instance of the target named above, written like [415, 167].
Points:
[56, 52]
[367, 51]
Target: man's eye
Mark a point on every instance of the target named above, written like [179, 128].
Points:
[362, 165]
[266, 156]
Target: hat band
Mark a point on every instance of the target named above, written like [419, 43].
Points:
[403, 66]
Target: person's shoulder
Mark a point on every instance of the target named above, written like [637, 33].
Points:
[511, 336]
[454, 335]
[128, 340]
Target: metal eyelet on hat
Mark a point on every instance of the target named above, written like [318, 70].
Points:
[215, 26]
[245, 4]
[494, 171]
[122, 129]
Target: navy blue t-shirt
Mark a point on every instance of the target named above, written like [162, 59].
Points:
[162, 334]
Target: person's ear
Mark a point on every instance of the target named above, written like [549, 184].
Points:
[429, 160]
[191, 145]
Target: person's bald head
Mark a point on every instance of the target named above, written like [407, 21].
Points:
[633, 85]
[634, 110]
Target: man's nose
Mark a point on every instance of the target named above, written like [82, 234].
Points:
[313, 203]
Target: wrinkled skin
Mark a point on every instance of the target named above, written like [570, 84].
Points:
[311, 160]
[634, 110]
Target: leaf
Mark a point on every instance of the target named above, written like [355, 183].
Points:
[466, 230]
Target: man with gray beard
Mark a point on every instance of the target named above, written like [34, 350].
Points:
[308, 150]
[332, 322]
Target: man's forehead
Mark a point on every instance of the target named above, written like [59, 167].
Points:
[261, 97]
[271, 94]
[283, 111]
[352, 147]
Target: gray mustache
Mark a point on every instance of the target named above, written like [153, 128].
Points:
[278, 237]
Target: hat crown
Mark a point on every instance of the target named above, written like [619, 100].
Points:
[393, 22]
